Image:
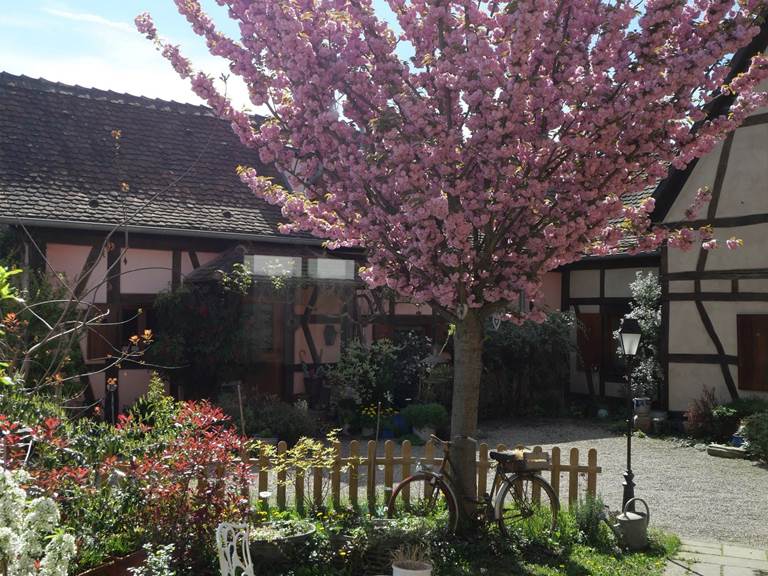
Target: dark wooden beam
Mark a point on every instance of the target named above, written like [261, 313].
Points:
[722, 222]
[664, 336]
[85, 273]
[176, 270]
[719, 296]
[194, 259]
[743, 273]
[703, 358]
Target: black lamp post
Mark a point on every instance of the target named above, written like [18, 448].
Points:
[629, 338]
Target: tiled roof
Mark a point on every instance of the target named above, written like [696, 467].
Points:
[58, 162]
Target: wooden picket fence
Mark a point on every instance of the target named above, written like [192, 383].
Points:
[360, 466]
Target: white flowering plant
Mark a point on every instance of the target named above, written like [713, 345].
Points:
[31, 541]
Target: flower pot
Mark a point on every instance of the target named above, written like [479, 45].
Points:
[275, 547]
[409, 568]
[118, 566]
[425, 433]
[642, 406]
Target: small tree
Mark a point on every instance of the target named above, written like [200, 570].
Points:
[500, 150]
[646, 309]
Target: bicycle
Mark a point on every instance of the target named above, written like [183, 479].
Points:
[519, 498]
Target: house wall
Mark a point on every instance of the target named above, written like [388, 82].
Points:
[600, 287]
[144, 272]
[708, 290]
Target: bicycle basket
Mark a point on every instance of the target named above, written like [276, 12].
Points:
[522, 460]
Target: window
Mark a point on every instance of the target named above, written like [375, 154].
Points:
[100, 337]
[331, 269]
[752, 335]
[267, 265]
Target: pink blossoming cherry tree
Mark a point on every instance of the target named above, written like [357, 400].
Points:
[502, 149]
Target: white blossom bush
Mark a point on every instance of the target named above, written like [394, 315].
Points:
[31, 542]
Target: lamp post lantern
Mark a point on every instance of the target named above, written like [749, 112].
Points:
[629, 338]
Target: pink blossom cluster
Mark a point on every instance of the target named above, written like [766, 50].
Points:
[503, 148]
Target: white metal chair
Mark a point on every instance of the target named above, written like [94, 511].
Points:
[233, 544]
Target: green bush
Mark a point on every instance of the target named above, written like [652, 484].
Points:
[756, 433]
[589, 514]
[425, 415]
[745, 407]
[269, 417]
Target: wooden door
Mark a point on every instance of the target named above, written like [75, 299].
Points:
[265, 339]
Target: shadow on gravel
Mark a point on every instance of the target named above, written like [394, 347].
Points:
[544, 431]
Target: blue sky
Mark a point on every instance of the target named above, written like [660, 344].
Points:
[93, 43]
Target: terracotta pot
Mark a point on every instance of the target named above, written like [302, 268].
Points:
[118, 566]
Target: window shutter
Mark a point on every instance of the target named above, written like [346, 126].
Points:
[589, 340]
[752, 335]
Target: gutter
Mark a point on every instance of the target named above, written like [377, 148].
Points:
[77, 225]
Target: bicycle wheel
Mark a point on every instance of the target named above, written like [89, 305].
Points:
[526, 504]
[424, 495]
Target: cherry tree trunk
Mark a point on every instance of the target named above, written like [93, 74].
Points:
[467, 369]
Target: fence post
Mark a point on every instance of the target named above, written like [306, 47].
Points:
[263, 470]
[573, 478]
[317, 486]
[483, 465]
[389, 469]
[406, 470]
[592, 473]
[336, 476]
[554, 475]
[281, 448]
[299, 491]
[536, 491]
[354, 455]
[371, 476]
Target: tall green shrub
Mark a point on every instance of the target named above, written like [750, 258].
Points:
[646, 309]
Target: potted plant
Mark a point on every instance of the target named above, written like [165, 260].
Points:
[271, 540]
[425, 419]
[411, 561]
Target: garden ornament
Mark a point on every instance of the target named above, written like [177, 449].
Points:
[496, 320]
[631, 527]
[233, 544]
[461, 311]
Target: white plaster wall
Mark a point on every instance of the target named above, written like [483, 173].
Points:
[551, 290]
[752, 255]
[686, 331]
[715, 285]
[702, 175]
[681, 260]
[584, 284]
[753, 285]
[617, 281]
[186, 262]
[723, 315]
[133, 384]
[679, 286]
[744, 187]
[687, 382]
[68, 259]
[146, 271]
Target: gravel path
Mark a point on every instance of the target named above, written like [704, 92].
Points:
[690, 493]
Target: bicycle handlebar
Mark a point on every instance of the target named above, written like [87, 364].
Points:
[449, 442]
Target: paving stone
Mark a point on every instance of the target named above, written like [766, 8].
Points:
[699, 549]
[741, 552]
[738, 571]
[701, 544]
[726, 560]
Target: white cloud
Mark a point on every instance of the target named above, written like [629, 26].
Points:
[90, 19]
[129, 64]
